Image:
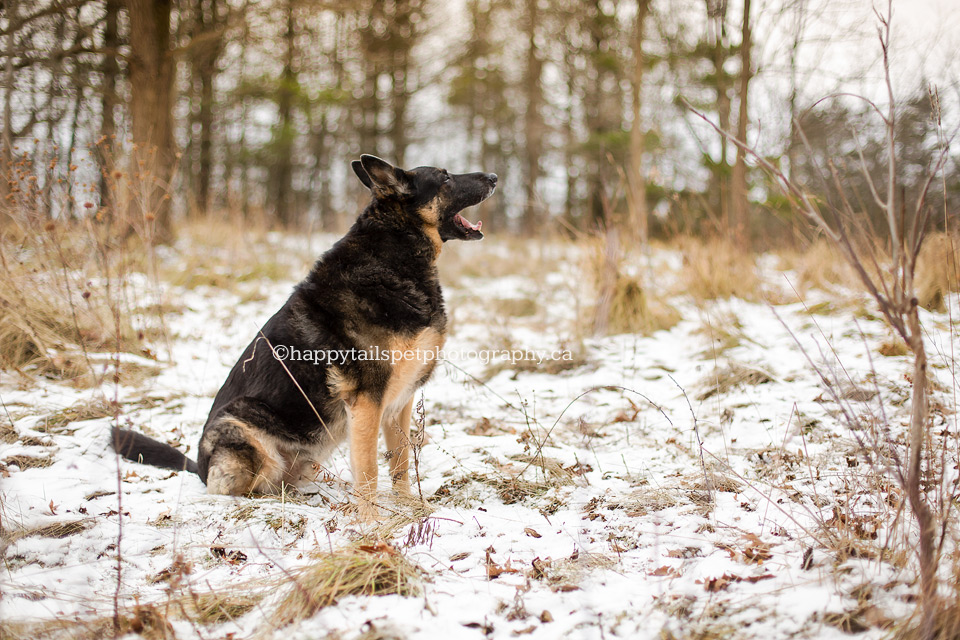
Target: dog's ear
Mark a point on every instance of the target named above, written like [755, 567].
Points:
[361, 173]
[384, 176]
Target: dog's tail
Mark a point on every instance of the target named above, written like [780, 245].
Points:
[139, 448]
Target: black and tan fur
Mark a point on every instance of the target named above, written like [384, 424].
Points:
[375, 288]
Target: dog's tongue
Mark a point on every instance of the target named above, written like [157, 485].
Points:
[468, 224]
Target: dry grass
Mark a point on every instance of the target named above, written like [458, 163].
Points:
[529, 362]
[359, 570]
[92, 409]
[819, 266]
[937, 271]
[57, 530]
[67, 294]
[219, 607]
[513, 490]
[716, 269]
[25, 462]
[725, 331]
[47, 323]
[724, 379]
[624, 304]
[147, 621]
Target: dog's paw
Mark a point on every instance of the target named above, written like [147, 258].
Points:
[367, 512]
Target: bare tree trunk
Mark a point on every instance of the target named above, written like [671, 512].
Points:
[569, 138]
[110, 70]
[740, 204]
[6, 154]
[533, 123]
[792, 143]
[151, 101]
[636, 182]
[918, 503]
[281, 189]
[78, 89]
[206, 68]
[717, 13]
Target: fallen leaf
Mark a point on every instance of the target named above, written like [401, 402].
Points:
[717, 584]
[494, 570]
[380, 547]
[566, 587]
[665, 570]
[540, 568]
[531, 532]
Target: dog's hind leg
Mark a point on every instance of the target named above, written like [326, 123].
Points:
[365, 416]
[396, 433]
[239, 461]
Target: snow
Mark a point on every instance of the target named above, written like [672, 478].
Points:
[631, 537]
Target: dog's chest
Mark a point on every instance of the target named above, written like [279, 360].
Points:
[412, 360]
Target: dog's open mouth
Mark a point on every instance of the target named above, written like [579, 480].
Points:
[466, 224]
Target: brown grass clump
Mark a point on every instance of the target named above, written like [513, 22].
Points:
[28, 462]
[819, 266]
[717, 269]
[146, 621]
[937, 271]
[514, 489]
[725, 379]
[725, 331]
[362, 571]
[218, 607]
[56, 530]
[40, 332]
[57, 422]
[65, 295]
[893, 346]
[632, 310]
[624, 304]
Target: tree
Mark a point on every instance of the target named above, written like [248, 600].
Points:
[739, 207]
[533, 129]
[109, 73]
[151, 72]
[280, 187]
[636, 183]
[206, 47]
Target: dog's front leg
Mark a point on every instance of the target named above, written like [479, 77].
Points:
[397, 436]
[365, 416]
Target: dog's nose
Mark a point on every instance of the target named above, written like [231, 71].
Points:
[492, 177]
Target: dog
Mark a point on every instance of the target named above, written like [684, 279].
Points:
[372, 312]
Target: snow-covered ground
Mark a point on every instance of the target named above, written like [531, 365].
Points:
[698, 482]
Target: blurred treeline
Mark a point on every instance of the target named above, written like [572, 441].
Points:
[256, 107]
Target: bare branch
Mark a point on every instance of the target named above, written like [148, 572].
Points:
[866, 173]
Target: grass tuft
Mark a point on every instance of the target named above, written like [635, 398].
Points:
[725, 379]
[937, 271]
[358, 570]
[717, 269]
[57, 530]
[624, 304]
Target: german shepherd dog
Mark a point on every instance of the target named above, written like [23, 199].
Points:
[375, 292]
